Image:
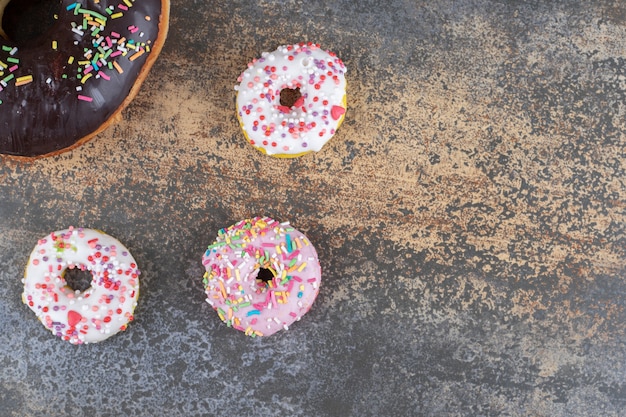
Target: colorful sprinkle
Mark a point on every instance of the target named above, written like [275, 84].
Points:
[104, 49]
[24, 80]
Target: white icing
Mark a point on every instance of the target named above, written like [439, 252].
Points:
[320, 77]
[98, 312]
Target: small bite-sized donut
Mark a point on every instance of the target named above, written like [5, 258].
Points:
[82, 284]
[292, 101]
[69, 67]
[261, 275]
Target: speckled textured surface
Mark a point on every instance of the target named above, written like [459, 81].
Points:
[469, 216]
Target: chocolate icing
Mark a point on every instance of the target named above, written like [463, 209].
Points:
[46, 115]
[27, 19]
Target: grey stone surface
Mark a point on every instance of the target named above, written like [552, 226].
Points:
[469, 216]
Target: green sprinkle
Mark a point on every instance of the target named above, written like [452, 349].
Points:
[92, 13]
[216, 245]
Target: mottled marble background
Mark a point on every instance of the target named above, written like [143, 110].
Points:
[470, 217]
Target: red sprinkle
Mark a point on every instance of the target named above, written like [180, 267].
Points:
[336, 112]
[73, 318]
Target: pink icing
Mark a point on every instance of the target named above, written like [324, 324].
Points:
[242, 256]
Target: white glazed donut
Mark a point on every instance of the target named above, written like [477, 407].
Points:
[261, 275]
[95, 313]
[291, 101]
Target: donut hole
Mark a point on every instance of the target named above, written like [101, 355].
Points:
[265, 276]
[289, 96]
[78, 279]
[25, 20]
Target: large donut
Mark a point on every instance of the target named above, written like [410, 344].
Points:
[261, 275]
[292, 101]
[61, 87]
[98, 310]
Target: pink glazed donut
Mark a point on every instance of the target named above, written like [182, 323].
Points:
[261, 276]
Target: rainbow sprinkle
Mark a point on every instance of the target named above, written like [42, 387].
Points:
[104, 46]
[104, 52]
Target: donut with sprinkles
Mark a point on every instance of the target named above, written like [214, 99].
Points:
[290, 102]
[69, 67]
[261, 276]
[82, 284]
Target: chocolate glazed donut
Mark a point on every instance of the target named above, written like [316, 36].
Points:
[69, 67]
